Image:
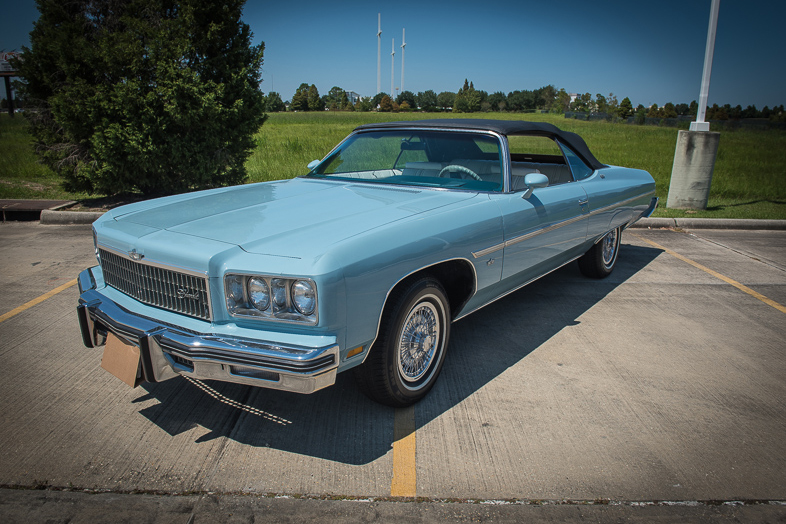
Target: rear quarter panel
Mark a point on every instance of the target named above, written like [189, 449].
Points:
[617, 195]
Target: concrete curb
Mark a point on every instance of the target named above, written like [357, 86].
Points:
[49, 217]
[710, 223]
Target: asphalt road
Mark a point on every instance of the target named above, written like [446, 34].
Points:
[658, 392]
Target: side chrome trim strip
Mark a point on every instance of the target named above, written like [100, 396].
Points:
[489, 250]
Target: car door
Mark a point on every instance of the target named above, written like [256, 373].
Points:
[604, 195]
[543, 231]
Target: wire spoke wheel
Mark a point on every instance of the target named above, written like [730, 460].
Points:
[600, 259]
[609, 246]
[418, 343]
[407, 357]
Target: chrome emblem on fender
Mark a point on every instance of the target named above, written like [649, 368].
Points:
[134, 255]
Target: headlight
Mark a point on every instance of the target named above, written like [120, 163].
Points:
[271, 298]
[279, 292]
[259, 293]
[304, 297]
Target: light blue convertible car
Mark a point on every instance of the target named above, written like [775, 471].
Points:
[363, 263]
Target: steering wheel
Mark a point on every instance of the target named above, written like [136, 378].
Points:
[461, 169]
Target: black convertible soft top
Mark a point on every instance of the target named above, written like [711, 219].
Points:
[503, 127]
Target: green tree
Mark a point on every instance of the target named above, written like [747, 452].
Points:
[273, 103]
[445, 100]
[601, 103]
[467, 99]
[378, 99]
[561, 102]
[345, 105]
[717, 113]
[640, 116]
[612, 104]
[364, 104]
[408, 97]
[546, 96]
[521, 100]
[582, 103]
[386, 104]
[626, 108]
[693, 109]
[335, 95]
[300, 98]
[668, 111]
[427, 101]
[314, 102]
[498, 101]
[157, 96]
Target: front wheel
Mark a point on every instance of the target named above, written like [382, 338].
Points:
[600, 259]
[406, 359]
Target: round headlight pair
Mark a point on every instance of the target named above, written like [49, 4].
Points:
[302, 294]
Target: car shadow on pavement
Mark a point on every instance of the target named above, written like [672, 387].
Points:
[340, 424]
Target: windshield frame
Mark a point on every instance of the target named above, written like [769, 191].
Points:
[503, 159]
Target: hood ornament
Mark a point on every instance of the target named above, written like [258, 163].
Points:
[134, 255]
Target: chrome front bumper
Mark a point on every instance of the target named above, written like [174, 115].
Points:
[167, 351]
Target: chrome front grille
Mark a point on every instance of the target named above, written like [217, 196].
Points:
[156, 286]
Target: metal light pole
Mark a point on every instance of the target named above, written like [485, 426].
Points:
[700, 124]
[694, 157]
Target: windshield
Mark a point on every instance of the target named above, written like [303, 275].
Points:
[443, 159]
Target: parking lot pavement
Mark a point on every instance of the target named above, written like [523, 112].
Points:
[663, 382]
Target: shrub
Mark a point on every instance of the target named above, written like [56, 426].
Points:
[156, 96]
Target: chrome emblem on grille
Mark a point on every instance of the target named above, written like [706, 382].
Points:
[134, 255]
[187, 293]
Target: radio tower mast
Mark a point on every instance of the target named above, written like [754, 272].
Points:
[392, 66]
[403, 46]
[379, 52]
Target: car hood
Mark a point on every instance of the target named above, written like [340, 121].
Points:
[292, 218]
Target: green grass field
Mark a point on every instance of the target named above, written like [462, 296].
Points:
[749, 179]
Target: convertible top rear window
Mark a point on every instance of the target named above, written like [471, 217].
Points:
[471, 161]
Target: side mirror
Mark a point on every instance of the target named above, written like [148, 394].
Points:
[311, 165]
[534, 181]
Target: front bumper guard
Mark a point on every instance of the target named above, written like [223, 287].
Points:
[168, 351]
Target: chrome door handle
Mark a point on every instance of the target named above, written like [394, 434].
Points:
[584, 202]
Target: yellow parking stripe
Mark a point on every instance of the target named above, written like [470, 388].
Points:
[741, 287]
[36, 301]
[404, 483]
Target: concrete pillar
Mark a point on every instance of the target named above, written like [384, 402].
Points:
[691, 174]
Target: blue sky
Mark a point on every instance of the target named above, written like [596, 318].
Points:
[652, 52]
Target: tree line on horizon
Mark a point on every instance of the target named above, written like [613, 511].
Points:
[470, 100]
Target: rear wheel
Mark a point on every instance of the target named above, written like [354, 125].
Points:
[406, 359]
[600, 259]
